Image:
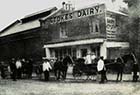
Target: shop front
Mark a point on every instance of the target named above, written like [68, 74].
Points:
[79, 49]
[90, 30]
[76, 49]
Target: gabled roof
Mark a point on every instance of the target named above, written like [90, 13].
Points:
[14, 23]
[28, 22]
[38, 15]
[41, 11]
[117, 12]
[52, 14]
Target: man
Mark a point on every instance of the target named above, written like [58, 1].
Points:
[19, 67]
[135, 70]
[93, 57]
[101, 68]
[46, 69]
[30, 67]
[2, 69]
[90, 57]
[120, 67]
[13, 69]
[57, 68]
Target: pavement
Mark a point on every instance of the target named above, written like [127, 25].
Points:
[67, 87]
[70, 86]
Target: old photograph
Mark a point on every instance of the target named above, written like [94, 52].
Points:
[70, 47]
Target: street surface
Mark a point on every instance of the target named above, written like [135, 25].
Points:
[70, 86]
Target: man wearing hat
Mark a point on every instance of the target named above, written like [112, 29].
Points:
[101, 68]
[46, 68]
[90, 58]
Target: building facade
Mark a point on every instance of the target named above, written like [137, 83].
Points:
[55, 33]
[23, 38]
[89, 30]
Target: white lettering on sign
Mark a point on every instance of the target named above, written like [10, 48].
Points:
[111, 27]
[78, 14]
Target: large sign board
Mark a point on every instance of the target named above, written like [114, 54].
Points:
[90, 11]
[111, 27]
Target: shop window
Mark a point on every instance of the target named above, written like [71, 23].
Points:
[90, 27]
[56, 53]
[113, 53]
[69, 51]
[94, 27]
[74, 52]
[96, 50]
[83, 52]
[63, 33]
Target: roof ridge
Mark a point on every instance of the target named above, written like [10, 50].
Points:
[38, 12]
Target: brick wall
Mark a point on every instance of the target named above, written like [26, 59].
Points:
[77, 27]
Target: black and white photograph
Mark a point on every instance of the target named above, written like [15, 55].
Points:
[70, 47]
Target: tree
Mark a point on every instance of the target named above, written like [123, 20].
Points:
[133, 26]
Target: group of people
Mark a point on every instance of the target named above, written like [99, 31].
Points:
[90, 58]
[17, 68]
[101, 68]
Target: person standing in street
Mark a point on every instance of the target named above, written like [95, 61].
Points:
[135, 72]
[13, 69]
[90, 58]
[30, 68]
[120, 68]
[19, 67]
[2, 69]
[135, 69]
[101, 68]
[46, 68]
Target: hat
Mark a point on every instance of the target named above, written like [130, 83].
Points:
[92, 53]
[88, 53]
[45, 59]
[101, 57]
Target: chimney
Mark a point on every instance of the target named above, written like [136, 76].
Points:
[67, 6]
[63, 5]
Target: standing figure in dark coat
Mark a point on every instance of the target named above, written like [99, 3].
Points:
[2, 69]
[30, 68]
[119, 67]
[13, 69]
[135, 71]
[135, 68]
[66, 61]
[58, 68]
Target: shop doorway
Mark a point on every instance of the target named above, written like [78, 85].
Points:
[83, 52]
[62, 52]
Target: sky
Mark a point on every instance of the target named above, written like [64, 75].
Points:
[11, 10]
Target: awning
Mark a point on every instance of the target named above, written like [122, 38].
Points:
[73, 43]
[117, 44]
